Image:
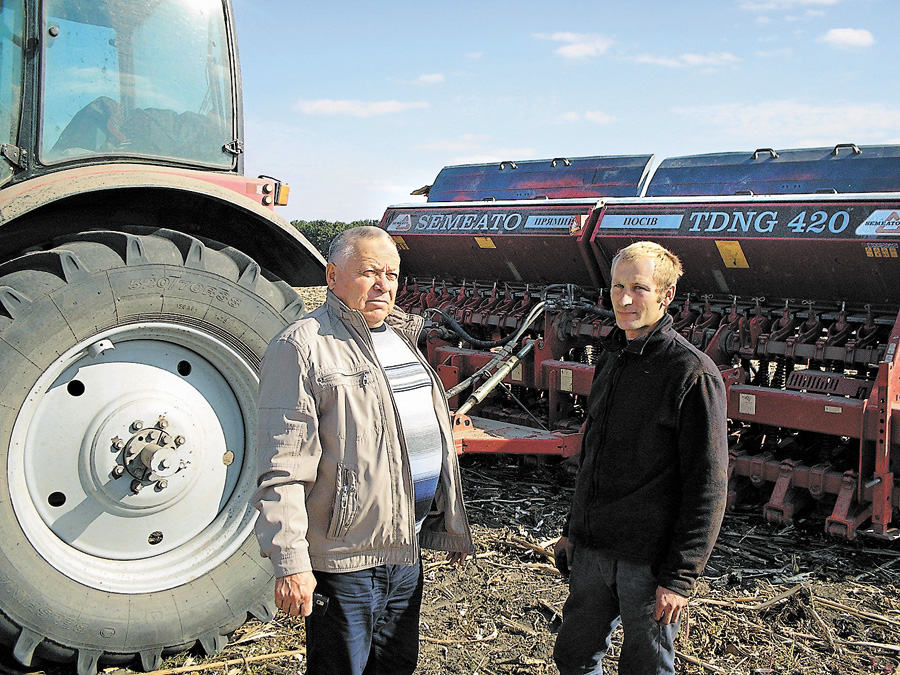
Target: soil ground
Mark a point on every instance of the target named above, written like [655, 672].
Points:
[773, 600]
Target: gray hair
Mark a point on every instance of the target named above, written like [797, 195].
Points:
[344, 244]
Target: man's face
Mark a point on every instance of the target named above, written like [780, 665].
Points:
[637, 302]
[367, 280]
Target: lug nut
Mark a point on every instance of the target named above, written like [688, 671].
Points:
[118, 470]
[118, 443]
[137, 425]
[179, 440]
[162, 484]
[136, 486]
[162, 423]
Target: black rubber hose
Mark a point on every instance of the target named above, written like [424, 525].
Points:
[459, 330]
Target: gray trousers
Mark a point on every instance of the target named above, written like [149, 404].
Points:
[604, 592]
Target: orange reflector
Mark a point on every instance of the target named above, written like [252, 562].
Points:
[282, 192]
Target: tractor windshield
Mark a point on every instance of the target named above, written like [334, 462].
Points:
[11, 62]
[129, 78]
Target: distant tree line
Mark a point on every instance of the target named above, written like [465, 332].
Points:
[321, 232]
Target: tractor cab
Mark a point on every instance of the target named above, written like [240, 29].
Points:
[115, 80]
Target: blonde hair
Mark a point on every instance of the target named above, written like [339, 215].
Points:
[667, 269]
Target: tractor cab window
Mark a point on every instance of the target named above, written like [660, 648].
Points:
[137, 79]
[11, 63]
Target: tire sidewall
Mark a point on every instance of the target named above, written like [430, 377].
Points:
[33, 594]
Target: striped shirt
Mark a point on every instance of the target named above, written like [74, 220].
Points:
[411, 386]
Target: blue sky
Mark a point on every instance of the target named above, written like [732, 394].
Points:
[356, 104]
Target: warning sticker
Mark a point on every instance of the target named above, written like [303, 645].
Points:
[732, 254]
[485, 242]
[882, 250]
[747, 404]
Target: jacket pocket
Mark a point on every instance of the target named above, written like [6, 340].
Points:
[349, 404]
[346, 502]
[359, 377]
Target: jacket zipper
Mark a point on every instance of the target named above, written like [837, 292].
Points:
[347, 489]
[618, 367]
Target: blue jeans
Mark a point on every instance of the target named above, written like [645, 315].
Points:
[604, 592]
[371, 626]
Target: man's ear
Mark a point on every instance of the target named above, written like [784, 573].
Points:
[668, 296]
[330, 270]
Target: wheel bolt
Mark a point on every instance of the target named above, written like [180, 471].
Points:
[137, 425]
[162, 484]
[118, 470]
[179, 440]
[118, 443]
[136, 486]
[162, 423]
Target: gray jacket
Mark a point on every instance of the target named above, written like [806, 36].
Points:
[335, 490]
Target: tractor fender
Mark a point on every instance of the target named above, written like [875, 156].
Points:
[240, 219]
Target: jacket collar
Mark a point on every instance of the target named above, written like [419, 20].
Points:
[410, 324]
[616, 340]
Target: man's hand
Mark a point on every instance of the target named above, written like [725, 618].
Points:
[294, 593]
[668, 606]
[563, 552]
[456, 557]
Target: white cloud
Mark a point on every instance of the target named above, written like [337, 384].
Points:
[792, 124]
[712, 60]
[666, 61]
[577, 45]
[599, 117]
[474, 55]
[785, 5]
[848, 38]
[709, 60]
[430, 78]
[356, 108]
[591, 115]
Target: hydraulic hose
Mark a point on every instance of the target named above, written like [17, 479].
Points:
[459, 330]
[508, 346]
[479, 394]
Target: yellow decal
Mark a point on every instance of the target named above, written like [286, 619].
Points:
[732, 255]
[881, 250]
[485, 242]
[401, 245]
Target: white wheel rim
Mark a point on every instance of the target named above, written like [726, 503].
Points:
[92, 526]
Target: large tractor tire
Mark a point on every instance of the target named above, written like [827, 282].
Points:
[128, 377]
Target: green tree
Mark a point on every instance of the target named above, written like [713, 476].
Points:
[321, 232]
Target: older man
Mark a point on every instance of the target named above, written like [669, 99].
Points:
[357, 466]
[650, 494]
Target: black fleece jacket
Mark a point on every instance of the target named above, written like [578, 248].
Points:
[654, 461]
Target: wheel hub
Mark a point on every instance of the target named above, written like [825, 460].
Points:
[151, 456]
